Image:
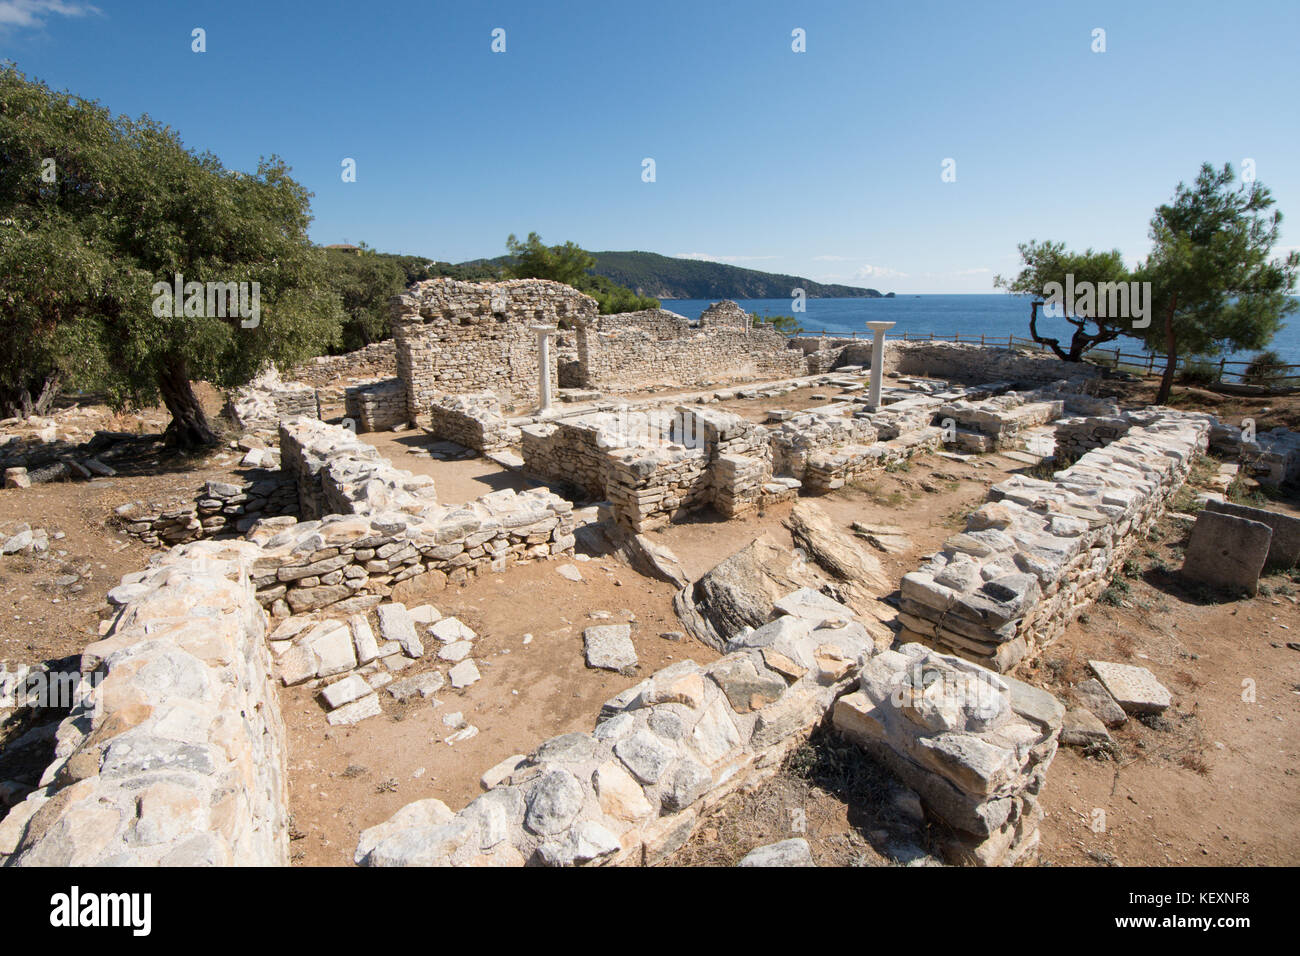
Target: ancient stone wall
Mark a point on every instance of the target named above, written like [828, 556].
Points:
[380, 526]
[376, 407]
[371, 363]
[667, 751]
[655, 465]
[1040, 551]
[474, 421]
[219, 508]
[655, 347]
[258, 407]
[973, 745]
[456, 336]
[662, 754]
[174, 753]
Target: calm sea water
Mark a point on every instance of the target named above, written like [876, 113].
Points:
[995, 316]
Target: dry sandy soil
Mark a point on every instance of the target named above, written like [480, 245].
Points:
[1213, 782]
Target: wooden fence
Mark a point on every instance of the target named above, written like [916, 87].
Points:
[1140, 363]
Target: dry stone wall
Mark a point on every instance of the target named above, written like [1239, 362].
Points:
[656, 347]
[474, 421]
[1039, 551]
[456, 336]
[655, 465]
[973, 745]
[379, 526]
[662, 754]
[378, 406]
[174, 753]
[219, 508]
[259, 406]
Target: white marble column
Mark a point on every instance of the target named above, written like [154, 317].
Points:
[544, 335]
[877, 361]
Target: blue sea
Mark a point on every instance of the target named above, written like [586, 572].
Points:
[995, 316]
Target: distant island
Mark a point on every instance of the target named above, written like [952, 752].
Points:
[664, 277]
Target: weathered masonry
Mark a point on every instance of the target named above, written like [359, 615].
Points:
[467, 336]
[1040, 551]
[657, 347]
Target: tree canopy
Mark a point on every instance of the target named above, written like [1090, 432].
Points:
[571, 264]
[1215, 286]
[1045, 263]
[98, 210]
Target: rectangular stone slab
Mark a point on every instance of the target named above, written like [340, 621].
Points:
[1284, 548]
[1225, 551]
[1134, 688]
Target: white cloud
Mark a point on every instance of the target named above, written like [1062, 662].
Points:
[878, 272]
[33, 13]
[708, 257]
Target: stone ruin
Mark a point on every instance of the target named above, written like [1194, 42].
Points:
[654, 466]
[174, 753]
[1041, 550]
[657, 347]
[461, 337]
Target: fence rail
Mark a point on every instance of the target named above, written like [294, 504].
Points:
[1147, 363]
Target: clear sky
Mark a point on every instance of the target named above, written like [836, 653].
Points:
[826, 163]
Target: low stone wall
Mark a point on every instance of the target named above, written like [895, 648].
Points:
[974, 746]
[663, 753]
[654, 465]
[219, 507]
[1040, 551]
[259, 406]
[474, 421]
[377, 407]
[794, 439]
[832, 468]
[972, 364]
[380, 526]
[669, 750]
[174, 753]
[371, 363]
[1273, 458]
[454, 336]
[996, 423]
[655, 347]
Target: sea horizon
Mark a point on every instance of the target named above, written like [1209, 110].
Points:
[995, 315]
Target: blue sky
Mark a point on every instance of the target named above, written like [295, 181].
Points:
[825, 163]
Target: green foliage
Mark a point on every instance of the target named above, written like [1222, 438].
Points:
[366, 280]
[785, 324]
[129, 206]
[1199, 371]
[671, 278]
[571, 264]
[1048, 262]
[1214, 283]
[1267, 369]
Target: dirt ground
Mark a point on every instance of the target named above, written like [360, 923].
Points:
[1213, 782]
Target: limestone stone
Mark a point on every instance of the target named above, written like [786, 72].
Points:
[792, 852]
[345, 691]
[1227, 551]
[1092, 696]
[395, 624]
[463, 674]
[424, 685]
[1081, 729]
[1134, 688]
[358, 710]
[609, 647]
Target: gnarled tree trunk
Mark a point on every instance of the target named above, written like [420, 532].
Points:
[189, 428]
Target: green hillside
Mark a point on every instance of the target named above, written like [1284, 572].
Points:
[663, 277]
